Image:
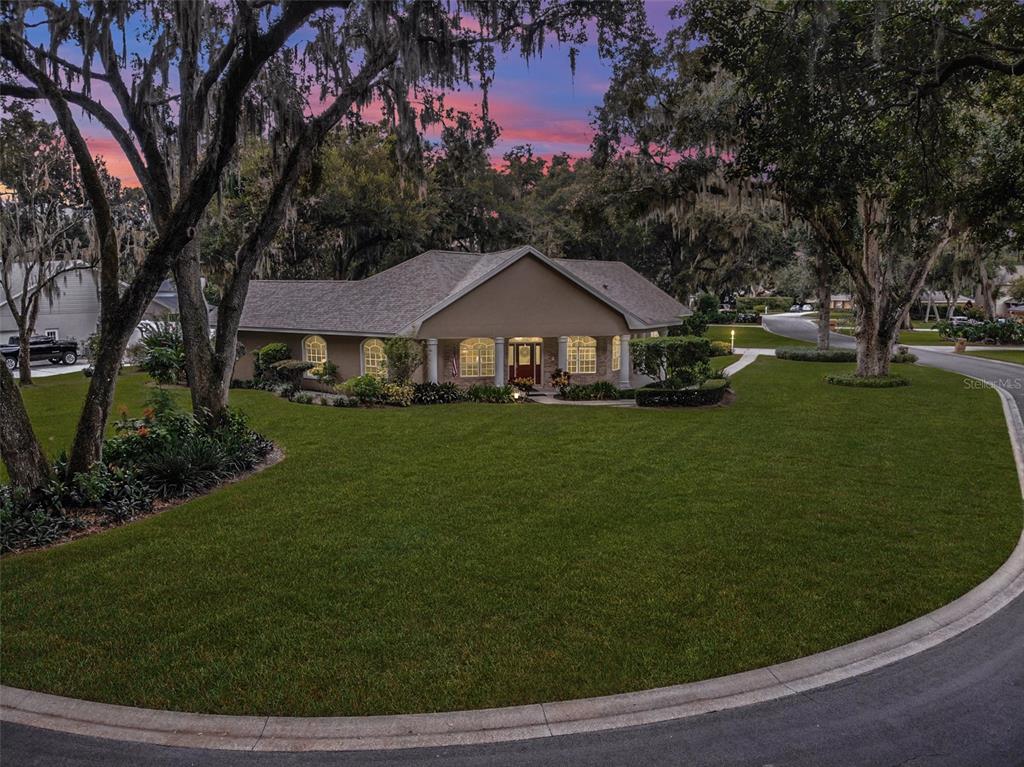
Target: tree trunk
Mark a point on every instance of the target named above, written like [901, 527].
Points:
[19, 448]
[987, 298]
[824, 295]
[874, 342]
[24, 360]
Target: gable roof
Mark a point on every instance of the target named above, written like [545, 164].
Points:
[398, 300]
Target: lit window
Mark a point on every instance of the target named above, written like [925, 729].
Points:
[375, 363]
[582, 354]
[616, 353]
[476, 357]
[314, 349]
[655, 334]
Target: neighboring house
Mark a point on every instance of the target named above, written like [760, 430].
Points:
[1004, 305]
[841, 302]
[483, 317]
[73, 314]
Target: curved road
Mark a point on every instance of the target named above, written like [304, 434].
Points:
[959, 703]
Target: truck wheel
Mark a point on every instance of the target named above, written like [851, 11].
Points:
[11, 363]
[70, 358]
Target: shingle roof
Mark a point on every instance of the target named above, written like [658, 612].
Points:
[393, 300]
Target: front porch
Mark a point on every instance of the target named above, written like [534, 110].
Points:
[501, 360]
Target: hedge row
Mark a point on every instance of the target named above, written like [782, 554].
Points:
[710, 394]
[867, 382]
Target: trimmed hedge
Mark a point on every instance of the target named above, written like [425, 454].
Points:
[804, 354]
[711, 393]
[867, 382]
[599, 390]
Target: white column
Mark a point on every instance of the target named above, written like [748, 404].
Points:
[432, 360]
[499, 361]
[563, 352]
[625, 368]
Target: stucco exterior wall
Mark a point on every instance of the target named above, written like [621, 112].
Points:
[526, 299]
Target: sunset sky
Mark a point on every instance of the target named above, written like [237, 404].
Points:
[539, 103]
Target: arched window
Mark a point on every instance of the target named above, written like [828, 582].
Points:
[616, 353]
[476, 357]
[314, 349]
[582, 354]
[375, 363]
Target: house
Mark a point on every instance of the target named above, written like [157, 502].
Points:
[73, 311]
[842, 302]
[483, 317]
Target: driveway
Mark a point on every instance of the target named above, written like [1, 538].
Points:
[958, 703]
[47, 369]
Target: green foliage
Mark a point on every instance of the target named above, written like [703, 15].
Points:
[175, 455]
[490, 393]
[753, 304]
[327, 373]
[675, 361]
[366, 389]
[1016, 290]
[983, 332]
[867, 382]
[436, 393]
[398, 394]
[711, 393]
[695, 324]
[559, 379]
[720, 349]
[599, 390]
[706, 304]
[264, 360]
[162, 355]
[810, 354]
[404, 356]
[291, 372]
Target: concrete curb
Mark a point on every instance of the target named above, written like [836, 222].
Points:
[261, 733]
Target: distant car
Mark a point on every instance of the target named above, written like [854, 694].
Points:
[805, 308]
[795, 308]
[958, 319]
[41, 348]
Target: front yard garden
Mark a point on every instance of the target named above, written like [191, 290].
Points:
[424, 559]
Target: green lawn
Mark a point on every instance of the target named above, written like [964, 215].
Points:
[720, 363]
[482, 555]
[751, 337]
[1003, 355]
[914, 337]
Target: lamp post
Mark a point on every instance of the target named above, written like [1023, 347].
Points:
[732, 341]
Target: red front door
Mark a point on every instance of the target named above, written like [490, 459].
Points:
[524, 360]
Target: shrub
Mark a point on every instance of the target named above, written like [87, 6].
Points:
[675, 360]
[398, 394]
[367, 389]
[490, 393]
[265, 358]
[694, 325]
[291, 372]
[162, 355]
[436, 393]
[757, 303]
[560, 380]
[302, 398]
[326, 373]
[720, 349]
[867, 382]
[710, 393]
[28, 519]
[984, 332]
[525, 385]
[904, 355]
[404, 356]
[599, 390]
[807, 354]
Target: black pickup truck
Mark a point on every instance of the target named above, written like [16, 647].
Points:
[41, 348]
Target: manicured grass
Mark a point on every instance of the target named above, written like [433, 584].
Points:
[1003, 355]
[914, 337]
[483, 555]
[720, 363]
[751, 337]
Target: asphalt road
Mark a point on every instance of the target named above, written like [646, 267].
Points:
[960, 703]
